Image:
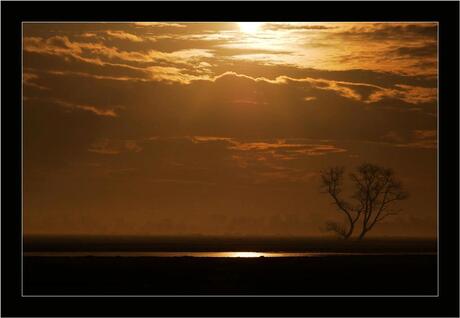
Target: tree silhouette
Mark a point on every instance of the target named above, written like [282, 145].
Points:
[332, 182]
[375, 191]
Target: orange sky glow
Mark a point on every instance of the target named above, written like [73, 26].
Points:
[155, 128]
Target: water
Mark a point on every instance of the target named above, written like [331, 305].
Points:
[244, 254]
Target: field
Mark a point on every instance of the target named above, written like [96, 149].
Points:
[249, 276]
[400, 268]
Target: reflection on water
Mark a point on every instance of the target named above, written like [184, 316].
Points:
[171, 254]
[203, 254]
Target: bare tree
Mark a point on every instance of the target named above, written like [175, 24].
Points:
[339, 229]
[376, 191]
[332, 183]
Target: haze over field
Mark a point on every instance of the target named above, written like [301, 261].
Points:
[222, 128]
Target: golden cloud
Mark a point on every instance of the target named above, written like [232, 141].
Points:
[124, 36]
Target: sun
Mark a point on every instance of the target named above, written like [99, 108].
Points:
[249, 27]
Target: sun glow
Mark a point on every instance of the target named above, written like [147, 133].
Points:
[245, 254]
[249, 27]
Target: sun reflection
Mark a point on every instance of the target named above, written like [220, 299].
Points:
[245, 254]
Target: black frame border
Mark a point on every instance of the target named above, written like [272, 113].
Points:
[446, 13]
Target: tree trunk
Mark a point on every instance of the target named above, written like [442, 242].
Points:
[350, 231]
[363, 233]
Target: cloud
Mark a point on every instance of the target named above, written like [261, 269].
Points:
[229, 51]
[418, 138]
[198, 139]
[189, 64]
[59, 46]
[172, 75]
[96, 110]
[182, 66]
[211, 158]
[124, 36]
[29, 80]
[409, 94]
[384, 79]
[62, 46]
[422, 139]
[90, 108]
[430, 50]
[390, 31]
[366, 93]
[53, 45]
[114, 147]
[264, 108]
[98, 77]
[280, 148]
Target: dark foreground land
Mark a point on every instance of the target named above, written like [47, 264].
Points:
[325, 275]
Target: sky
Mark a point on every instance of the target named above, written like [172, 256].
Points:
[158, 128]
